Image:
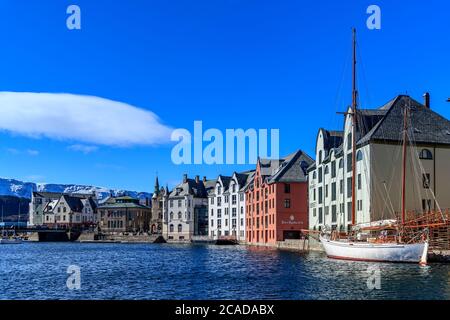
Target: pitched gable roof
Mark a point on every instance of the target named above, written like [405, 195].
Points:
[426, 126]
[292, 168]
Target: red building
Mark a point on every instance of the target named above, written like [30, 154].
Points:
[277, 200]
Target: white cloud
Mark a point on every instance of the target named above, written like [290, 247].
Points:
[29, 152]
[32, 152]
[87, 119]
[83, 148]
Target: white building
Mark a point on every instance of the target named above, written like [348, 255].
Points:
[379, 163]
[227, 206]
[70, 210]
[186, 214]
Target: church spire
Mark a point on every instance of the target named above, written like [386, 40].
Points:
[156, 186]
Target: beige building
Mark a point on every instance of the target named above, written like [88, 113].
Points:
[123, 214]
[379, 166]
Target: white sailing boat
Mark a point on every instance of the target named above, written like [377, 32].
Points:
[397, 241]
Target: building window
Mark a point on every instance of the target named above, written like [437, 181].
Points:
[333, 191]
[320, 156]
[349, 187]
[349, 211]
[349, 141]
[426, 180]
[326, 191]
[179, 215]
[359, 156]
[314, 212]
[341, 164]
[287, 203]
[212, 200]
[320, 216]
[426, 205]
[333, 169]
[349, 162]
[314, 194]
[320, 175]
[333, 213]
[180, 228]
[426, 154]
[320, 195]
[171, 228]
[341, 186]
[359, 182]
[327, 170]
[212, 212]
[171, 216]
[287, 188]
[314, 175]
[233, 199]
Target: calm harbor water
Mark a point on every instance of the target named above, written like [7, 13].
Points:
[149, 271]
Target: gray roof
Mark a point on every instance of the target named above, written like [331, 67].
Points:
[191, 187]
[123, 205]
[74, 203]
[426, 126]
[292, 168]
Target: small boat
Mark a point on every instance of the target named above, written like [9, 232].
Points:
[376, 252]
[10, 240]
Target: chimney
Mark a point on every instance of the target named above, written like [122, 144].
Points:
[426, 99]
[197, 179]
[185, 177]
[204, 178]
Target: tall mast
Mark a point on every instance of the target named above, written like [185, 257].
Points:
[404, 154]
[354, 123]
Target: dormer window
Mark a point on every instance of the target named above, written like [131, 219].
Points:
[349, 141]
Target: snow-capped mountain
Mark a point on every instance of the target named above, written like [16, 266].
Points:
[12, 187]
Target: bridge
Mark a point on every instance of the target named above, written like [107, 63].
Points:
[45, 234]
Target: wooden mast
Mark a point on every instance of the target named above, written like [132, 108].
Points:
[404, 154]
[354, 122]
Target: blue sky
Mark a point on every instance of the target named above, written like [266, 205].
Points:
[230, 63]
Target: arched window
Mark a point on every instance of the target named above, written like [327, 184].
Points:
[179, 215]
[426, 154]
[171, 228]
[349, 141]
[180, 228]
[359, 155]
[341, 164]
[327, 170]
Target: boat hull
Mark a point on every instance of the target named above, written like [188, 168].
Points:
[10, 241]
[388, 252]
